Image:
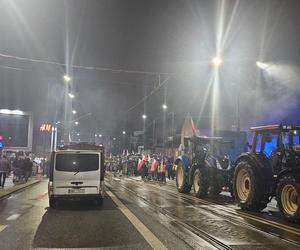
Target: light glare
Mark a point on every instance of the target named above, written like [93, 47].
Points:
[262, 65]
[67, 78]
[217, 61]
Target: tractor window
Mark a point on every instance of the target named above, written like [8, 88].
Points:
[291, 138]
[258, 143]
[296, 140]
[269, 143]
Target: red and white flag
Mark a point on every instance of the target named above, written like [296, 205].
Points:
[189, 129]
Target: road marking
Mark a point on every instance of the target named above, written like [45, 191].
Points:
[13, 217]
[2, 227]
[153, 241]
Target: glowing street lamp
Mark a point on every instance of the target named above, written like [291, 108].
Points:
[76, 123]
[164, 106]
[144, 116]
[124, 132]
[74, 112]
[71, 95]
[217, 61]
[67, 78]
[262, 65]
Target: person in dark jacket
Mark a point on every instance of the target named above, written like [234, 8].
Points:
[4, 170]
[28, 168]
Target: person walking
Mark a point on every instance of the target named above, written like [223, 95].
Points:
[163, 172]
[4, 170]
[28, 168]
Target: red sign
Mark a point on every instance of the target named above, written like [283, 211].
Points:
[46, 127]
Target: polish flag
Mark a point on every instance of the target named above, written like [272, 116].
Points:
[154, 165]
[140, 164]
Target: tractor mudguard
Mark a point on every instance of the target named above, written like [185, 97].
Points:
[185, 162]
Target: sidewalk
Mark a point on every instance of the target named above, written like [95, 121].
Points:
[10, 187]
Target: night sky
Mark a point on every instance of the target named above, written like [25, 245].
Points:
[174, 37]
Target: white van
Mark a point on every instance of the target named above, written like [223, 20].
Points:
[77, 172]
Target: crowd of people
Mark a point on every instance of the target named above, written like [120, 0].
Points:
[155, 167]
[21, 166]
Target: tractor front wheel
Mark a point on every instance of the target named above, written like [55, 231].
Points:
[200, 183]
[181, 179]
[249, 189]
[288, 197]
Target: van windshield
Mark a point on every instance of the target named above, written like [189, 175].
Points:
[77, 162]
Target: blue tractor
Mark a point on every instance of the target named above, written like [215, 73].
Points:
[204, 166]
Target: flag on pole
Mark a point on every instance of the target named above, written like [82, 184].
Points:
[140, 164]
[188, 129]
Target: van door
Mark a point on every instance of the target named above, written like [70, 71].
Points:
[77, 173]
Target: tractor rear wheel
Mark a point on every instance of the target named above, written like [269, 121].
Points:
[288, 197]
[181, 179]
[200, 183]
[249, 189]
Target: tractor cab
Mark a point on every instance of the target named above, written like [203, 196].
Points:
[277, 146]
[209, 149]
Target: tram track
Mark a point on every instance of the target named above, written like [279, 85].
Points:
[244, 214]
[231, 215]
[180, 223]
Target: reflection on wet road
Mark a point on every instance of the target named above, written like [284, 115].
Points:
[138, 215]
[217, 218]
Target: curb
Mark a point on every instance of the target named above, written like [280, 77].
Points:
[17, 188]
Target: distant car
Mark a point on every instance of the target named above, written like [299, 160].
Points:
[77, 172]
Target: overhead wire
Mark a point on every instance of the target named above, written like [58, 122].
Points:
[112, 70]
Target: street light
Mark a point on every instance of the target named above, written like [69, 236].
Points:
[124, 132]
[74, 112]
[96, 135]
[67, 78]
[164, 106]
[100, 135]
[71, 95]
[144, 116]
[217, 61]
[76, 123]
[262, 65]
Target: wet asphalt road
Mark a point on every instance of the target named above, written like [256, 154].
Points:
[177, 221]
